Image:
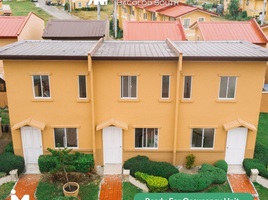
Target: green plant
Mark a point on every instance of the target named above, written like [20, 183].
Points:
[9, 162]
[66, 198]
[222, 164]
[66, 6]
[9, 147]
[233, 7]
[119, 30]
[5, 189]
[2, 174]
[190, 161]
[46, 163]
[155, 183]
[144, 165]
[244, 14]
[259, 164]
[209, 174]
[84, 162]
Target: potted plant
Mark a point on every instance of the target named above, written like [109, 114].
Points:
[62, 157]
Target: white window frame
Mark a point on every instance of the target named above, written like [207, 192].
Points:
[42, 87]
[184, 87]
[140, 13]
[169, 77]
[66, 139]
[201, 18]
[226, 98]
[79, 87]
[125, 10]
[164, 18]
[203, 130]
[153, 18]
[145, 14]
[79, 3]
[172, 19]
[189, 23]
[129, 80]
[146, 139]
[87, 5]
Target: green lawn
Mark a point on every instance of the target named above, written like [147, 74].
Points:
[262, 191]
[220, 189]
[22, 8]
[129, 191]
[262, 136]
[5, 189]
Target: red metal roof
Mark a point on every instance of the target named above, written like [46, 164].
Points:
[247, 30]
[11, 26]
[154, 30]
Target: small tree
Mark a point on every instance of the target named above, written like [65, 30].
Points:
[233, 7]
[62, 156]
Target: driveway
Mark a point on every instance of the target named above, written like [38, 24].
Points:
[54, 11]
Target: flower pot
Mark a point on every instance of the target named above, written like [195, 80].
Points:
[73, 193]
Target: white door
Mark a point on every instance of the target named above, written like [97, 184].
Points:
[112, 145]
[235, 147]
[32, 144]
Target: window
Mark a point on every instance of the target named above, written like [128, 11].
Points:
[202, 138]
[66, 137]
[171, 19]
[145, 16]
[82, 83]
[129, 87]
[201, 19]
[87, 4]
[164, 18]
[186, 22]
[122, 9]
[79, 5]
[198, 38]
[146, 137]
[165, 87]
[227, 87]
[187, 87]
[140, 13]
[153, 17]
[126, 10]
[41, 86]
[132, 11]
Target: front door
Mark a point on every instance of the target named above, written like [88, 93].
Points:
[112, 145]
[235, 147]
[32, 144]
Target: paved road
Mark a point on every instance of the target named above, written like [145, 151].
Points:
[54, 11]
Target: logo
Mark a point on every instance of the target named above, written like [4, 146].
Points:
[14, 197]
[96, 2]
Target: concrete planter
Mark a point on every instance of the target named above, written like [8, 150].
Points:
[12, 177]
[74, 193]
[138, 184]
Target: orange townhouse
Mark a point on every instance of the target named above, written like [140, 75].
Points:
[138, 10]
[119, 99]
[5, 9]
[247, 30]
[154, 30]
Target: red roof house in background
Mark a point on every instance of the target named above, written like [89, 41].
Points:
[246, 30]
[154, 30]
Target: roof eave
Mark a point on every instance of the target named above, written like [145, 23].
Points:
[33, 57]
[223, 58]
[73, 37]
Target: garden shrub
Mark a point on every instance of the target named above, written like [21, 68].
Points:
[9, 148]
[66, 198]
[84, 162]
[261, 165]
[209, 174]
[190, 161]
[222, 164]
[2, 174]
[144, 165]
[9, 162]
[155, 183]
[46, 163]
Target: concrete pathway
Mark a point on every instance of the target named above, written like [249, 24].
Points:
[240, 183]
[111, 188]
[26, 186]
[54, 11]
[31, 169]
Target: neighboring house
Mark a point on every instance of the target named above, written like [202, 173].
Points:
[119, 99]
[3, 94]
[60, 29]
[172, 12]
[77, 4]
[5, 9]
[265, 29]
[157, 30]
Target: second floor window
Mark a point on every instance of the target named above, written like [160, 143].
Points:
[164, 18]
[187, 87]
[146, 137]
[171, 19]
[165, 87]
[227, 87]
[140, 13]
[153, 18]
[129, 87]
[82, 87]
[41, 86]
[66, 137]
[132, 11]
[201, 19]
[145, 16]
[186, 22]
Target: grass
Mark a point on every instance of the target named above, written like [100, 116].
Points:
[22, 8]
[262, 191]
[262, 136]
[5, 189]
[129, 191]
[220, 189]
[46, 191]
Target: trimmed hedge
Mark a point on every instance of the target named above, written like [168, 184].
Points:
[9, 148]
[249, 164]
[191, 183]
[81, 164]
[66, 198]
[222, 164]
[155, 183]
[9, 162]
[144, 165]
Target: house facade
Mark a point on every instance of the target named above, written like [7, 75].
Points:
[161, 99]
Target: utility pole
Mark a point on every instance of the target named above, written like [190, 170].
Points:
[115, 19]
[263, 11]
[99, 10]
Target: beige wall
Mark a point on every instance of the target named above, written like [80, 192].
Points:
[204, 110]
[4, 42]
[264, 103]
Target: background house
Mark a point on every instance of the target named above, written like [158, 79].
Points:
[5, 9]
[58, 29]
[154, 30]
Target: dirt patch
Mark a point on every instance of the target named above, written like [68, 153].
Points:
[193, 170]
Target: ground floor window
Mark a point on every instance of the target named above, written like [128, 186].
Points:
[66, 137]
[202, 138]
[146, 137]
